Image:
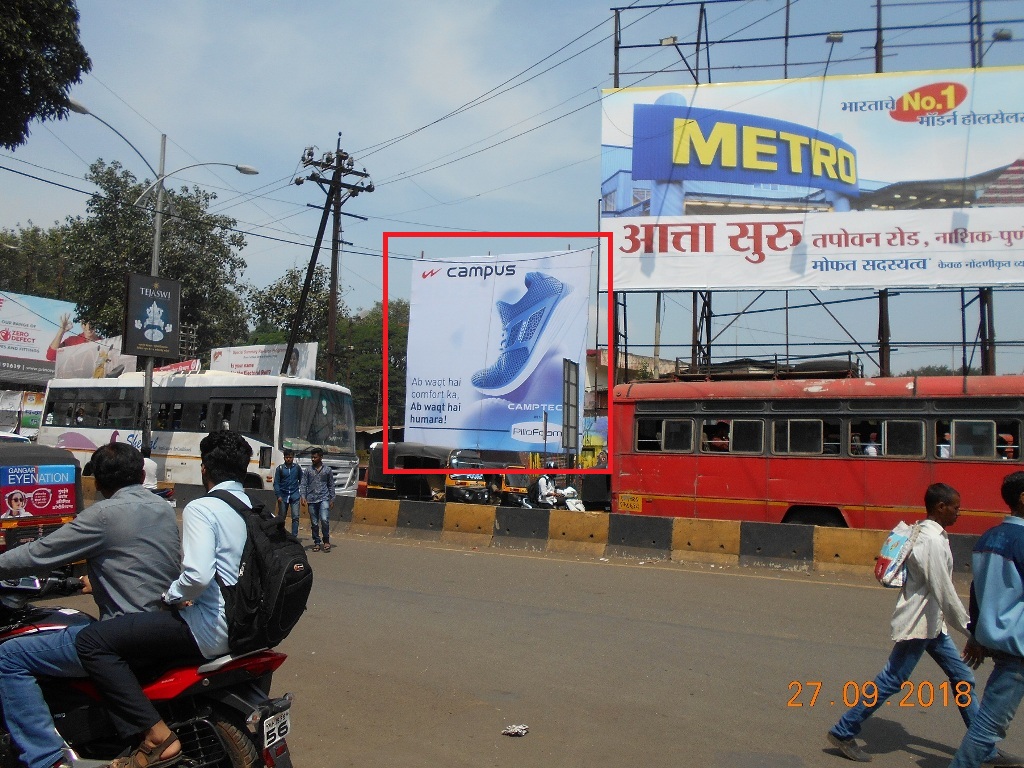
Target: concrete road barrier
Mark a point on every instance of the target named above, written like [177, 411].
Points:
[796, 547]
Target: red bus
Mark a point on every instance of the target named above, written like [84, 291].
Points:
[837, 452]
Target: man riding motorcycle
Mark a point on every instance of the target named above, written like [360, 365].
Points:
[131, 546]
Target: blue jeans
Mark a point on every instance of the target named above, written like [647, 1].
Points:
[319, 518]
[28, 718]
[1003, 693]
[904, 657]
[295, 512]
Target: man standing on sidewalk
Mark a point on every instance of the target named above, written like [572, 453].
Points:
[997, 604]
[287, 478]
[927, 601]
[317, 489]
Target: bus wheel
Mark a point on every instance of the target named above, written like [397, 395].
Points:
[252, 481]
[826, 517]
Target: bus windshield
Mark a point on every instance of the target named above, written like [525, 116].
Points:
[311, 416]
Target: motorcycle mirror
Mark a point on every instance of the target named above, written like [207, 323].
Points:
[27, 583]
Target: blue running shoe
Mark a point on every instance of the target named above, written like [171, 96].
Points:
[524, 325]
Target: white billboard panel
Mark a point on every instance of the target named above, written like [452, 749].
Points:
[870, 181]
[487, 337]
[266, 359]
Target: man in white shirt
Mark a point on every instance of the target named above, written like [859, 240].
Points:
[927, 601]
[546, 493]
[150, 481]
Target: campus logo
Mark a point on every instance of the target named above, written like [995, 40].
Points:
[429, 273]
[483, 271]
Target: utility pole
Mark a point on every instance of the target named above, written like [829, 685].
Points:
[337, 191]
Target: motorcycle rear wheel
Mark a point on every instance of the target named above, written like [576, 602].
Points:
[240, 749]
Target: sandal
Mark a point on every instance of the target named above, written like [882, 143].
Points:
[327, 546]
[316, 547]
[132, 761]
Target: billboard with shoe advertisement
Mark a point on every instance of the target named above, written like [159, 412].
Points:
[865, 181]
[487, 337]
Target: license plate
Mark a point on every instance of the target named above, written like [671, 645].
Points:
[629, 502]
[276, 727]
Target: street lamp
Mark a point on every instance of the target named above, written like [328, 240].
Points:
[158, 225]
[80, 108]
[248, 170]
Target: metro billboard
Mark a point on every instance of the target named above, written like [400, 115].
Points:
[869, 181]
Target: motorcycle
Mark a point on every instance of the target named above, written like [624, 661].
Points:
[221, 711]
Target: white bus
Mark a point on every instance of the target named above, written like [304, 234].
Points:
[272, 412]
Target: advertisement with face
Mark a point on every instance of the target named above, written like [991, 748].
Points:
[487, 341]
[32, 491]
[32, 330]
[266, 360]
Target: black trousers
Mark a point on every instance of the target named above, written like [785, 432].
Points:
[112, 650]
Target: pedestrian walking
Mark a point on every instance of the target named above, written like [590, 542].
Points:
[317, 490]
[927, 601]
[997, 601]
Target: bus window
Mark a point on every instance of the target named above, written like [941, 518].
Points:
[903, 438]
[747, 436]
[975, 439]
[220, 416]
[122, 415]
[648, 434]
[163, 417]
[193, 417]
[715, 437]
[253, 421]
[60, 412]
[943, 439]
[176, 412]
[1008, 445]
[678, 435]
[806, 436]
[89, 415]
[864, 438]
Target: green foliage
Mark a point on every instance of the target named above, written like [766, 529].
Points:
[273, 308]
[360, 362]
[197, 248]
[40, 59]
[33, 262]
[940, 370]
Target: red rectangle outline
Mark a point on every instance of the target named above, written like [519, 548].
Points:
[610, 330]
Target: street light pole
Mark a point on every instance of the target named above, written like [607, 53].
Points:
[154, 270]
[158, 223]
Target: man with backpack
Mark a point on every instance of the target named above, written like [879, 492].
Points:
[196, 628]
[287, 478]
[926, 602]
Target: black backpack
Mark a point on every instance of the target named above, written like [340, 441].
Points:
[274, 581]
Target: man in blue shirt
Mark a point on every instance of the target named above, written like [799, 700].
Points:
[286, 487]
[317, 488]
[997, 610]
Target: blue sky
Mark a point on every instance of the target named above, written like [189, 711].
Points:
[257, 83]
